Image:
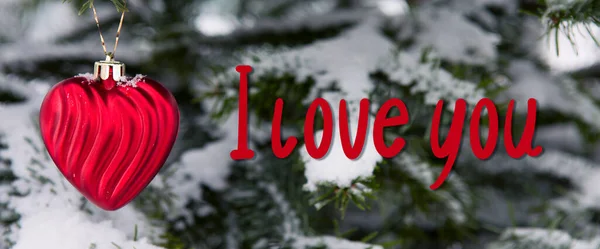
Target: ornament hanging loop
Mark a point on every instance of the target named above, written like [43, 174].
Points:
[109, 56]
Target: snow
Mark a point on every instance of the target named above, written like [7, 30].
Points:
[214, 25]
[319, 7]
[209, 165]
[52, 20]
[357, 61]
[430, 80]
[51, 210]
[26, 52]
[425, 174]
[125, 82]
[393, 7]
[37, 35]
[575, 52]
[531, 82]
[291, 227]
[580, 172]
[551, 93]
[308, 21]
[346, 60]
[544, 238]
[48, 228]
[418, 170]
[570, 137]
[335, 167]
[332, 243]
[218, 18]
[88, 76]
[11, 19]
[454, 37]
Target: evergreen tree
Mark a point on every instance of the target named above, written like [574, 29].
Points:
[417, 51]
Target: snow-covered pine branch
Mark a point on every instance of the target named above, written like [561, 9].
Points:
[518, 238]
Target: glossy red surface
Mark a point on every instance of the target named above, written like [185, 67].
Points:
[109, 140]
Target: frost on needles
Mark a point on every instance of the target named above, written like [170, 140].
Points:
[300, 51]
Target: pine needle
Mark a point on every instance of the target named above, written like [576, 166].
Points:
[121, 5]
[135, 233]
[117, 246]
[563, 16]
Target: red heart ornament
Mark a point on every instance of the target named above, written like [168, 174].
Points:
[109, 137]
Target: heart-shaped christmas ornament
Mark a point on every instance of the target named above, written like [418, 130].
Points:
[109, 134]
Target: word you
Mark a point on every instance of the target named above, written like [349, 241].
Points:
[449, 149]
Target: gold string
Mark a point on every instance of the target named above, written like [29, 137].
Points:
[99, 30]
[111, 55]
[118, 34]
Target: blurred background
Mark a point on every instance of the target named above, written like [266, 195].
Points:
[420, 51]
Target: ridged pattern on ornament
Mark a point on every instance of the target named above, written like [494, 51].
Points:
[109, 140]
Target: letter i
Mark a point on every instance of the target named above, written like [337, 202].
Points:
[242, 152]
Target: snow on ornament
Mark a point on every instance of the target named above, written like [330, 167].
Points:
[109, 134]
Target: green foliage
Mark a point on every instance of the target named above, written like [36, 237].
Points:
[264, 89]
[540, 239]
[562, 16]
[359, 193]
[121, 5]
[265, 202]
[171, 241]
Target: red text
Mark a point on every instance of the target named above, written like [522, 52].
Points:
[448, 149]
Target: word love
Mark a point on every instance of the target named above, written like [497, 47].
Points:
[448, 150]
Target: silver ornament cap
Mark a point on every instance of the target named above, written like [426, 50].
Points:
[102, 68]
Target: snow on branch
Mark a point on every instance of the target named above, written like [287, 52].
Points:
[583, 174]
[292, 232]
[426, 77]
[331, 242]
[310, 22]
[28, 53]
[346, 61]
[562, 14]
[556, 93]
[336, 168]
[209, 165]
[454, 37]
[571, 30]
[454, 199]
[541, 238]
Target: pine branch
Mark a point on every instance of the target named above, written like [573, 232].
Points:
[360, 194]
[563, 16]
[121, 5]
[540, 238]
[578, 11]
